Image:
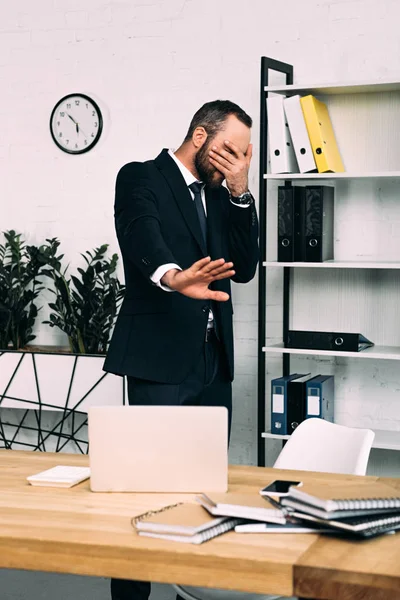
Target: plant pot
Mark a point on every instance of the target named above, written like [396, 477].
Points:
[45, 393]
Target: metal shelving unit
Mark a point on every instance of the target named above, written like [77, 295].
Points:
[344, 95]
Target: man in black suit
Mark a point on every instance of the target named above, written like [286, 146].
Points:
[183, 236]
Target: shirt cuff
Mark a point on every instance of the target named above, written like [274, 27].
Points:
[159, 274]
[240, 205]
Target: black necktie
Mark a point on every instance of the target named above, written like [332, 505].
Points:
[196, 188]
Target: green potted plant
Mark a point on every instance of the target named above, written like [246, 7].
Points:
[21, 266]
[85, 306]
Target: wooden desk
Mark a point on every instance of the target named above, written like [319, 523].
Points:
[77, 531]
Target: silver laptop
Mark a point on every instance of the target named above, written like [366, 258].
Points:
[158, 448]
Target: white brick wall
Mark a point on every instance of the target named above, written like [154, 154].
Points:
[150, 65]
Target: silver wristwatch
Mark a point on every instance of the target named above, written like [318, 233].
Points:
[245, 198]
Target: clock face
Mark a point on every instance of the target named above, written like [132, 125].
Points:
[76, 123]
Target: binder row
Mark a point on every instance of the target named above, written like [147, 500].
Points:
[301, 137]
[305, 223]
[297, 397]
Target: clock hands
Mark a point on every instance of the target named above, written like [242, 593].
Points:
[72, 118]
[76, 124]
[83, 132]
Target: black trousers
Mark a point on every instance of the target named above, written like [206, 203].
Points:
[207, 385]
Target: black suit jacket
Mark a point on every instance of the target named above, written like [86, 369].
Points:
[159, 335]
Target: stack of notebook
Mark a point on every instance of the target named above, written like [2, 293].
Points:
[209, 518]
[358, 509]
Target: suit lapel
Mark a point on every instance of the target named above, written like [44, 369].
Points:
[182, 196]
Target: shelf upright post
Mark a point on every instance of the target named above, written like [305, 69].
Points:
[267, 64]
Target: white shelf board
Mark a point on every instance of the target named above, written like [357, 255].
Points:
[350, 87]
[384, 440]
[332, 176]
[376, 352]
[274, 436]
[336, 264]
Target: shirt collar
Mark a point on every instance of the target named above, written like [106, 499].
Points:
[186, 174]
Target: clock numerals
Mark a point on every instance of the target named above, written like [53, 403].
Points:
[77, 102]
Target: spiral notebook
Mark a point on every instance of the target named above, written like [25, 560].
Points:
[361, 527]
[352, 495]
[241, 506]
[296, 505]
[183, 522]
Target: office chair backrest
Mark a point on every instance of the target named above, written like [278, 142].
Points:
[318, 445]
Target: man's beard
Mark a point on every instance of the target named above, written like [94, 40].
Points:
[207, 173]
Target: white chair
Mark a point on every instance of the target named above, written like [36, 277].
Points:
[316, 445]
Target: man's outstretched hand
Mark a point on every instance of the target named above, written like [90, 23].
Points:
[194, 281]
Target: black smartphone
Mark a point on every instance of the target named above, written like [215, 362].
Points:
[279, 487]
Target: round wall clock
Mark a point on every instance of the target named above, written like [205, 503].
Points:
[76, 123]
